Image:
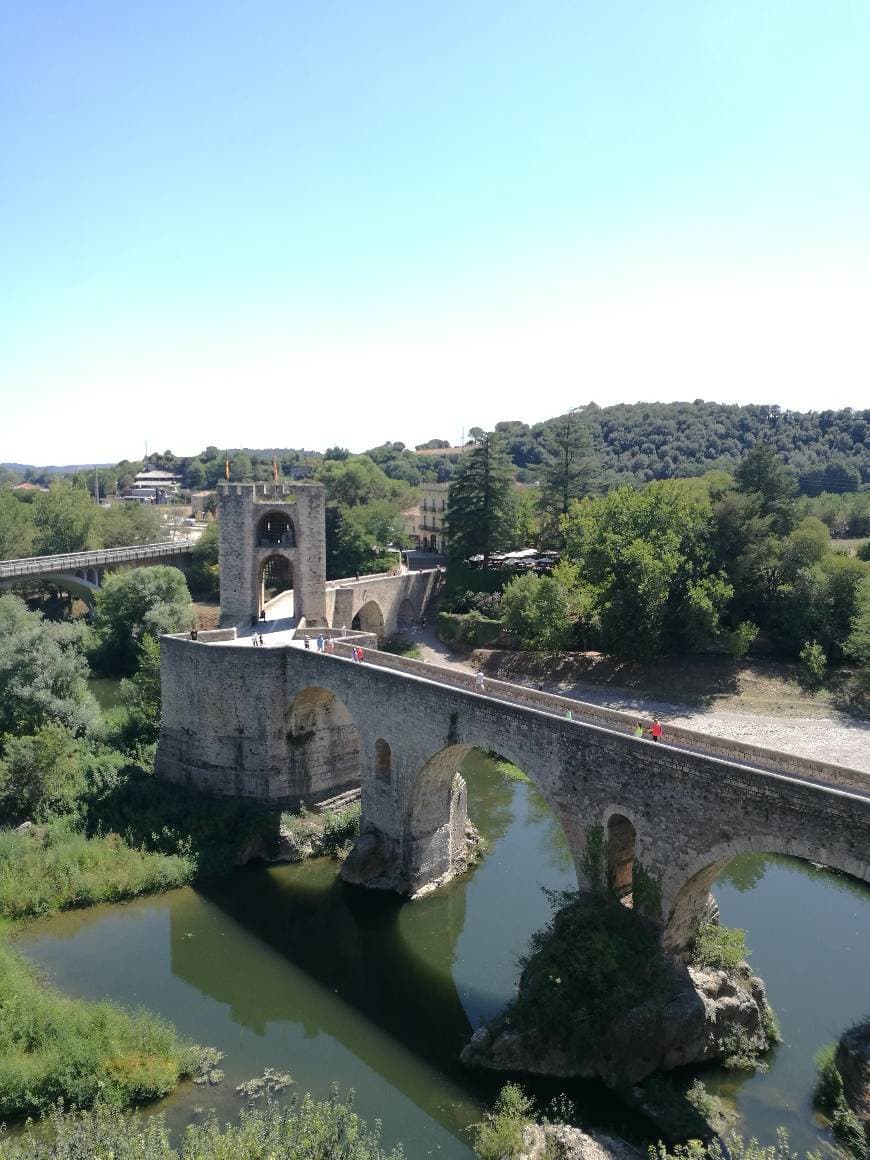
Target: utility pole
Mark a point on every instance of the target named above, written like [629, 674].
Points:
[96, 485]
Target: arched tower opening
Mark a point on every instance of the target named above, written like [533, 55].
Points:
[323, 746]
[276, 576]
[275, 530]
[370, 619]
[621, 841]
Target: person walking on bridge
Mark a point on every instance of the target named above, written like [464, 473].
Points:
[480, 681]
[656, 731]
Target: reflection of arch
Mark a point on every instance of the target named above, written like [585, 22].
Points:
[370, 619]
[323, 744]
[275, 529]
[621, 838]
[407, 615]
[276, 576]
[687, 905]
[383, 760]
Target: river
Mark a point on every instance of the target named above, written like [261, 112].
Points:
[285, 967]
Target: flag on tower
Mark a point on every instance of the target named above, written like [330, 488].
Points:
[274, 469]
[228, 465]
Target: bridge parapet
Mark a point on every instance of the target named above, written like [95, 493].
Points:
[744, 754]
[70, 562]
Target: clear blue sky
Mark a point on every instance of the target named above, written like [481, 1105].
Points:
[341, 222]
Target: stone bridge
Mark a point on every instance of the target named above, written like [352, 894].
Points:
[285, 725]
[81, 572]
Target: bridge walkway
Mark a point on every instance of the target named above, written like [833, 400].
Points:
[584, 713]
[71, 562]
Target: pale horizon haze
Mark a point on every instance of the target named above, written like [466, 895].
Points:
[306, 225]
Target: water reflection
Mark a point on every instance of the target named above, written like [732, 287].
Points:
[809, 937]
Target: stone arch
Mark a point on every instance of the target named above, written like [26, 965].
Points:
[407, 614]
[370, 618]
[323, 746]
[686, 896]
[93, 577]
[275, 530]
[435, 842]
[80, 574]
[276, 576]
[621, 852]
[383, 760]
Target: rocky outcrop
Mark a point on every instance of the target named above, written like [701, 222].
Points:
[561, 1142]
[853, 1064]
[703, 1015]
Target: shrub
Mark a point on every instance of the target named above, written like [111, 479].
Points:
[719, 947]
[500, 1133]
[739, 641]
[814, 663]
[830, 1098]
[591, 964]
[305, 1130]
[469, 630]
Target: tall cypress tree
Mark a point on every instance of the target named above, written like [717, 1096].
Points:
[480, 501]
[570, 475]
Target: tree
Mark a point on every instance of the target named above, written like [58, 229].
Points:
[43, 674]
[140, 693]
[204, 576]
[64, 519]
[41, 775]
[241, 467]
[16, 527]
[139, 602]
[537, 609]
[128, 523]
[480, 502]
[195, 475]
[646, 556]
[761, 473]
[569, 476]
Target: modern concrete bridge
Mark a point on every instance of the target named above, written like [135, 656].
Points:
[661, 820]
[81, 571]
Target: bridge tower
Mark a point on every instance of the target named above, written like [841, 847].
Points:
[272, 540]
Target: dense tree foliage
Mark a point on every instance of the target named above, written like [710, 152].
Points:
[43, 675]
[480, 517]
[137, 603]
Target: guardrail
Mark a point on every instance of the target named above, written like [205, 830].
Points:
[352, 581]
[583, 712]
[99, 557]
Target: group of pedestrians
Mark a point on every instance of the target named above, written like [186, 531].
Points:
[321, 643]
[655, 730]
[257, 640]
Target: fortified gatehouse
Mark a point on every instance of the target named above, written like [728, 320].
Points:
[272, 545]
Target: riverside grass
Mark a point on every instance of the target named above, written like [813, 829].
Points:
[305, 1130]
[56, 867]
[55, 1048]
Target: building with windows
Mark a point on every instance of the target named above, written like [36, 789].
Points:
[426, 523]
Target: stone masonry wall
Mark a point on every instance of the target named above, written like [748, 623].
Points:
[225, 725]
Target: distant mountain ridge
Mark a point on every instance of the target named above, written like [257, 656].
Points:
[21, 468]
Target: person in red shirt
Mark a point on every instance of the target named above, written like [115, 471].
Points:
[656, 730]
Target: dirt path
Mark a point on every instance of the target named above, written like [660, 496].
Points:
[787, 722]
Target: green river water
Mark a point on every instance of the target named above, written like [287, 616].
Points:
[285, 967]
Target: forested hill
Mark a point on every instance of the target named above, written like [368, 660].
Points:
[637, 442]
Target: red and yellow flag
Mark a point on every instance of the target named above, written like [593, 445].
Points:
[274, 469]
[228, 465]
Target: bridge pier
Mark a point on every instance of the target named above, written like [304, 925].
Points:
[418, 859]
